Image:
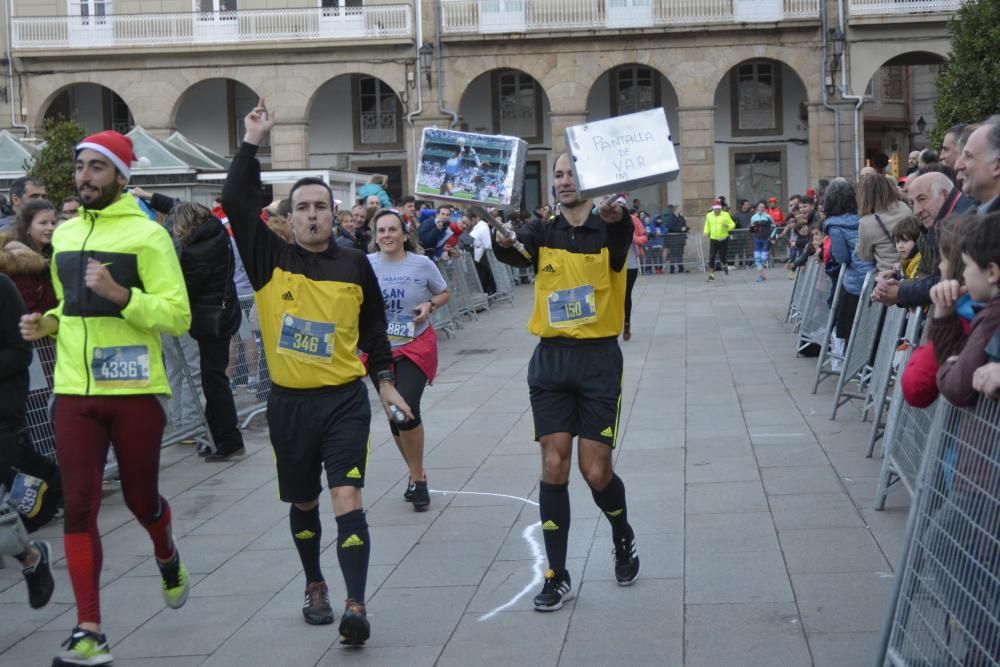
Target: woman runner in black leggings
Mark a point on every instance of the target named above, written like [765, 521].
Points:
[412, 287]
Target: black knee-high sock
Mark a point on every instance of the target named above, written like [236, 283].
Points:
[611, 500]
[553, 507]
[353, 550]
[306, 533]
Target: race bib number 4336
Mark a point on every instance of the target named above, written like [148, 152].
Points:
[126, 366]
[306, 340]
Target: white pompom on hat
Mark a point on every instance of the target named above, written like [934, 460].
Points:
[113, 145]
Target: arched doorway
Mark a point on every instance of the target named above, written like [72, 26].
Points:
[93, 106]
[761, 132]
[211, 113]
[899, 110]
[630, 88]
[356, 123]
[513, 103]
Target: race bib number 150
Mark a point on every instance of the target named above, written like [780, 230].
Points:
[572, 307]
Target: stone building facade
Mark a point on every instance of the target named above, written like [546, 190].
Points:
[758, 92]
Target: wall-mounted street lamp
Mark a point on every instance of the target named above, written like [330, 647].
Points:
[921, 125]
[426, 52]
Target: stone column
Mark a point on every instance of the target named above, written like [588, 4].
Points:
[697, 161]
[822, 145]
[290, 145]
[289, 150]
[560, 121]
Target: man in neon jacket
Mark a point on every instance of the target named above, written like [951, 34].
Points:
[718, 224]
[119, 286]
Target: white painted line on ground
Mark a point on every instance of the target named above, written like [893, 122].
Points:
[537, 553]
[776, 435]
[483, 493]
[537, 569]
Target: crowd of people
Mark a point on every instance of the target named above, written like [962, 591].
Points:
[315, 297]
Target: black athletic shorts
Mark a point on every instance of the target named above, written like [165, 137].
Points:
[312, 429]
[576, 388]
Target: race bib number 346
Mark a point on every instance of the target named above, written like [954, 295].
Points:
[572, 307]
[126, 366]
[306, 340]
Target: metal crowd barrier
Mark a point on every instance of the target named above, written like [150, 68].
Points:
[884, 372]
[905, 430]
[830, 361]
[804, 277]
[37, 413]
[739, 252]
[945, 604]
[249, 377]
[818, 312]
[865, 332]
[503, 278]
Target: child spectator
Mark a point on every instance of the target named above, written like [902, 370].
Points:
[960, 354]
[905, 235]
[919, 380]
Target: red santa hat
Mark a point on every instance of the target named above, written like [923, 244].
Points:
[717, 204]
[113, 145]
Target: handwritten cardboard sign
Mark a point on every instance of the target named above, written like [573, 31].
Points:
[622, 153]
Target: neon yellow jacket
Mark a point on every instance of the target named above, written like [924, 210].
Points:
[101, 348]
[717, 227]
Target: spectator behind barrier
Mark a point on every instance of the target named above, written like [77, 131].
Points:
[979, 166]
[933, 198]
[986, 379]
[919, 378]
[880, 211]
[22, 190]
[25, 254]
[841, 226]
[208, 265]
[960, 354]
[375, 187]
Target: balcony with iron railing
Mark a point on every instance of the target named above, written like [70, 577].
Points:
[193, 29]
[525, 16]
[901, 8]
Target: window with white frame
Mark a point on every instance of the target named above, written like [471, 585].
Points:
[756, 91]
[206, 6]
[518, 106]
[633, 89]
[377, 109]
[90, 11]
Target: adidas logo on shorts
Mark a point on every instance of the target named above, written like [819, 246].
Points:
[354, 473]
[550, 525]
[608, 432]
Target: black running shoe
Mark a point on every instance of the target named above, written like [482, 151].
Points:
[421, 498]
[354, 626]
[408, 494]
[39, 577]
[555, 591]
[626, 559]
[316, 608]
